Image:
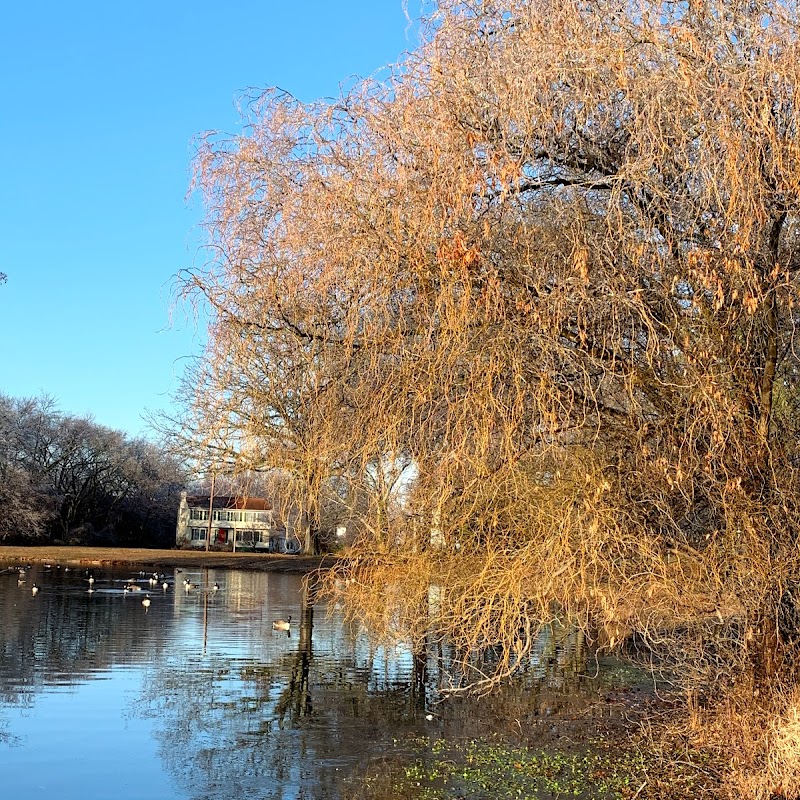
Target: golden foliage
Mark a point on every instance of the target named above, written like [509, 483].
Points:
[551, 263]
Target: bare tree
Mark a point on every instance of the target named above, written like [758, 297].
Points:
[28, 508]
[71, 479]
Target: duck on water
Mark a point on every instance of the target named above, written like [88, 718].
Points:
[282, 624]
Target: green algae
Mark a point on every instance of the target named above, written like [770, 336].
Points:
[494, 770]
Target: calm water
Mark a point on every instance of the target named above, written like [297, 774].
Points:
[196, 697]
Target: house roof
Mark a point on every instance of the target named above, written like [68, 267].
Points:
[221, 501]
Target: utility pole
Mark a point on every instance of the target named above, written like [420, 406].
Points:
[210, 508]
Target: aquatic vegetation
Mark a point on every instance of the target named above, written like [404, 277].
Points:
[484, 769]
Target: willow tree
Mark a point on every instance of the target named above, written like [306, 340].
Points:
[551, 259]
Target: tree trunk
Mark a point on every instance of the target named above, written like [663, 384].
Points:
[311, 528]
[767, 381]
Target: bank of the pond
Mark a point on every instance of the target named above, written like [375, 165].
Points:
[616, 736]
[493, 768]
[601, 736]
[113, 556]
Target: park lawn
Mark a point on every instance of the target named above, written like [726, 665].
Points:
[111, 556]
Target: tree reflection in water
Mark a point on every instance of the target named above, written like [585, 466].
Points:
[236, 709]
[286, 727]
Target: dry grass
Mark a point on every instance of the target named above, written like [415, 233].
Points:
[752, 739]
[94, 556]
[783, 759]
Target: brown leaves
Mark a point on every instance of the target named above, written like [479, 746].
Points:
[750, 304]
[535, 265]
[582, 264]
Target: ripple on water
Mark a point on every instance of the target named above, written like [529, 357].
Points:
[195, 696]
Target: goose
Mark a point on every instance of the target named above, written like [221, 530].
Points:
[282, 624]
[91, 580]
[165, 586]
[188, 585]
[215, 587]
[132, 587]
[146, 601]
[34, 589]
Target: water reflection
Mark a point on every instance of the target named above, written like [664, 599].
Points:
[197, 697]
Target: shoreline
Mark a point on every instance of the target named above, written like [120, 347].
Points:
[120, 556]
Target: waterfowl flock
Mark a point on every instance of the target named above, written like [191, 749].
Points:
[55, 577]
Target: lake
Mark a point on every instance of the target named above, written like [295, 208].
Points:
[197, 697]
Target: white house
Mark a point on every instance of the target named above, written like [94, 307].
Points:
[236, 522]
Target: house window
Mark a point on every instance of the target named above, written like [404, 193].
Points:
[248, 536]
[198, 534]
[198, 513]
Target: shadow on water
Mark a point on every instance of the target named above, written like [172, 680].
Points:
[196, 696]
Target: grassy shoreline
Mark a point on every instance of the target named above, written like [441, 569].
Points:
[111, 556]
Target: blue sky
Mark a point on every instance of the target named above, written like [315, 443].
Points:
[98, 106]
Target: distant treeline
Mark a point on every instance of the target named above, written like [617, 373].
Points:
[67, 479]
